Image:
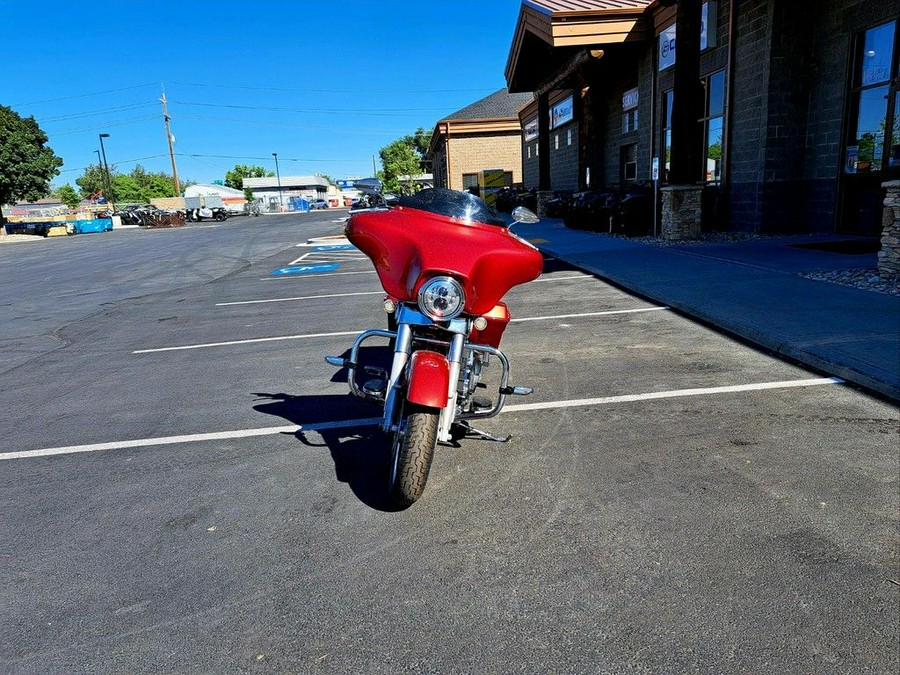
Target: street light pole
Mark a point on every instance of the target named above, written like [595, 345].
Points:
[106, 169]
[278, 174]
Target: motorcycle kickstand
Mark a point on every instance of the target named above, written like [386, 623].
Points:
[478, 433]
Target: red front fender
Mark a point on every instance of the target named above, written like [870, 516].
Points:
[429, 379]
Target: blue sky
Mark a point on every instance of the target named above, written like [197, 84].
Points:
[324, 84]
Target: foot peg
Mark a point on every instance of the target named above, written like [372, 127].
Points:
[516, 391]
[375, 388]
[339, 361]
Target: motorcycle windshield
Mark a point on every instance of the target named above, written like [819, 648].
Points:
[460, 206]
[436, 233]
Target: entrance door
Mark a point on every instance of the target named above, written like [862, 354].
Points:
[872, 146]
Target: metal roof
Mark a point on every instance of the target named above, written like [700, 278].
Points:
[286, 181]
[591, 6]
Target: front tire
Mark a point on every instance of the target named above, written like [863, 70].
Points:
[411, 455]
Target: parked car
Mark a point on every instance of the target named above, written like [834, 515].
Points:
[320, 204]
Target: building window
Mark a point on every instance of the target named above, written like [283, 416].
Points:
[556, 142]
[874, 143]
[666, 136]
[630, 121]
[529, 152]
[628, 157]
[470, 180]
[568, 137]
[713, 126]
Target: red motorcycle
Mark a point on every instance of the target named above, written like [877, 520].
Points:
[445, 260]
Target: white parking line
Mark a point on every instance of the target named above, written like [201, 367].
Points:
[293, 428]
[303, 297]
[577, 276]
[307, 276]
[328, 256]
[244, 342]
[677, 393]
[578, 316]
[280, 338]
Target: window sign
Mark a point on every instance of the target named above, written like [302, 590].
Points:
[708, 23]
[667, 48]
[561, 113]
[630, 99]
[531, 129]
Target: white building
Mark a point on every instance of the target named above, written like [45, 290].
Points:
[276, 194]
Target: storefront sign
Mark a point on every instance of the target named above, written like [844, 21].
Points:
[667, 48]
[708, 23]
[630, 99]
[561, 113]
[531, 129]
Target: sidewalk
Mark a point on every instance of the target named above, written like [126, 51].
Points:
[752, 290]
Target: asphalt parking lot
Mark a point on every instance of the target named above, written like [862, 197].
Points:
[187, 487]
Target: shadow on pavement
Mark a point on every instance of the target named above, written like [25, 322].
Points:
[360, 451]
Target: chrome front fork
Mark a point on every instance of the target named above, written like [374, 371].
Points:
[392, 395]
[448, 414]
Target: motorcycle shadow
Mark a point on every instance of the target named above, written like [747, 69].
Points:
[360, 452]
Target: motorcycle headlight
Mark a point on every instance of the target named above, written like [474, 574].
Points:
[442, 299]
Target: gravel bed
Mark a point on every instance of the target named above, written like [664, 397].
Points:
[865, 278]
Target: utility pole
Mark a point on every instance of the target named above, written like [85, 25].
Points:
[278, 174]
[106, 169]
[170, 139]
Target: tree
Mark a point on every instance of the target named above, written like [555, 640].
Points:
[397, 160]
[138, 186]
[235, 177]
[421, 140]
[68, 195]
[93, 180]
[27, 165]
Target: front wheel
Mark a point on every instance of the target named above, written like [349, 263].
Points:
[411, 454]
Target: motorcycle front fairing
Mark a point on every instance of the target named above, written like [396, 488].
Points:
[408, 246]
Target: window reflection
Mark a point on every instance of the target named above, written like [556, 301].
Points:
[877, 51]
[714, 150]
[870, 128]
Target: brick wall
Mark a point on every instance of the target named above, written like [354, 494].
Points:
[564, 157]
[530, 171]
[471, 153]
[750, 80]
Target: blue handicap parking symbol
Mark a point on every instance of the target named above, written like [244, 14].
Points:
[304, 269]
[335, 247]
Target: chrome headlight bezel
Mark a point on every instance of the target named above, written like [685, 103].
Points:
[440, 289]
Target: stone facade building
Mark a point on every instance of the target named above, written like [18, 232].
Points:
[794, 107]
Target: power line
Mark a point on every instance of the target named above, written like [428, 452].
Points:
[94, 113]
[277, 125]
[383, 112]
[106, 125]
[265, 158]
[116, 164]
[336, 91]
[93, 93]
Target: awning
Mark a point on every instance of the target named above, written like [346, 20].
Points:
[548, 32]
